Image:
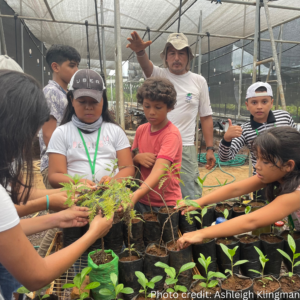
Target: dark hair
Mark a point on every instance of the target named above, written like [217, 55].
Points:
[69, 111]
[261, 89]
[279, 145]
[157, 89]
[23, 110]
[62, 53]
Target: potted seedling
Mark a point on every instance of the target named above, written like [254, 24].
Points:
[291, 283]
[117, 289]
[146, 284]
[240, 209]
[23, 290]
[223, 210]
[235, 284]
[207, 286]
[262, 284]
[173, 277]
[78, 281]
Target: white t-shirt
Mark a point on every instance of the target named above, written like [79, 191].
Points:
[192, 97]
[66, 140]
[8, 214]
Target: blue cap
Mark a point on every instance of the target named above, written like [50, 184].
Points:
[220, 220]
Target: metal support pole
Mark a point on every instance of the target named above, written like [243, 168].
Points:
[118, 60]
[148, 30]
[280, 87]
[180, 5]
[257, 12]
[197, 40]
[259, 48]
[16, 37]
[103, 39]
[87, 45]
[242, 63]
[280, 58]
[208, 58]
[99, 46]
[42, 63]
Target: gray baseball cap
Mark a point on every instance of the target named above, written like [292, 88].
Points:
[87, 83]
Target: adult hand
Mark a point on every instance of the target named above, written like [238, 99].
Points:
[73, 217]
[190, 238]
[210, 160]
[100, 226]
[232, 132]
[147, 160]
[105, 179]
[88, 183]
[57, 201]
[136, 43]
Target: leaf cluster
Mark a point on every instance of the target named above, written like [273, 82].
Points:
[188, 215]
[170, 173]
[143, 281]
[23, 290]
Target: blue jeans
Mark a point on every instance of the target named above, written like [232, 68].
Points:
[8, 284]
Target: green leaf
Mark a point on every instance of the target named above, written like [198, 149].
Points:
[84, 272]
[202, 262]
[170, 290]
[92, 285]
[225, 250]
[297, 264]
[210, 275]
[114, 278]
[203, 212]
[84, 295]
[285, 255]
[156, 279]
[229, 271]
[105, 292]
[240, 262]
[199, 277]
[180, 288]
[198, 219]
[23, 290]
[170, 281]
[296, 255]
[193, 212]
[254, 271]
[269, 278]
[171, 272]
[161, 265]
[46, 296]
[226, 213]
[142, 279]
[259, 251]
[219, 275]
[247, 210]
[119, 288]
[151, 285]
[192, 203]
[127, 291]
[213, 283]
[290, 274]
[186, 267]
[292, 243]
[203, 284]
[77, 280]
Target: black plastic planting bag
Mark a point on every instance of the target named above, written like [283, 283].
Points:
[152, 231]
[184, 225]
[240, 294]
[71, 235]
[207, 249]
[249, 253]
[223, 260]
[202, 295]
[151, 271]
[238, 213]
[137, 236]
[273, 266]
[208, 218]
[275, 295]
[220, 214]
[167, 233]
[127, 271]
[114, 239]
[177, 259]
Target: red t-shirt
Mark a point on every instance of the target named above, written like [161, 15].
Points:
[167, 144]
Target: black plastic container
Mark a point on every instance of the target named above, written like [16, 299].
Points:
[220, 214]
[136, 238]
[152, 231]
[71, 235]
[291, 295]
[114, 240]
[238, 213]
[208, 218]
[162, 217]
[267, 296]
[184, 225]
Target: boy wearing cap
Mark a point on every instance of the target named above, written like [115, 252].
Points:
[192, 98]
[259, 101]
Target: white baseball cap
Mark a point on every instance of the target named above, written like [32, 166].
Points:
[251, 92]
[8, 63]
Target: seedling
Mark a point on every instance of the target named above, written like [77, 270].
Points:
[201, 181]
[247, 210]
[143, 281]
[118, 288]
[173, 278]
[23, 290]
[221, 184]
[231, 253]
[225, 213]
[170, 173]
[208, 284]
[292, 246]
[187, 203]
[203, 213]
[263, 260]
[78, 281]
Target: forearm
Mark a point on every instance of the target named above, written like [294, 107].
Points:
[39, 193]
[56, 178]
[31, 207]
[145, 64]
[124, 173]
[207, 128]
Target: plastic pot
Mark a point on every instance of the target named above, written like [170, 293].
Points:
[184, 225]
[220, 214]
[287, 249]
[162, 217]
[238, 213]
[137, 228]
[259, 293]
[285, 281]
[71, 235]
[249, 253]
[222, 259]
[150, 259]
[152, 230]
[114, 240]
[177, 259]
[127, 271]
[273, 266]
[199, 293]
[207, 249]
[208, 218]
[241, 294]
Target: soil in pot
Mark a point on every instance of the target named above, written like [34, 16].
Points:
[290, 284]
[287, 249]
[204, 293]
[177, 259]
[248, 252]
[208, 218]
[222, 259]
[184, 225]
[238, 287]
[153, 254]
[265, 291]
[257, 204]
[162, 217]
[207, 248]
[97, 258]
[269, 245]
[152, 230]
[136, 237]
[127, 269]
[219, 209]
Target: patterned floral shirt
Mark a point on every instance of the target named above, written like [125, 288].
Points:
[57, 101]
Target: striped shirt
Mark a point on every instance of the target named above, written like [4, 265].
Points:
[228, 150]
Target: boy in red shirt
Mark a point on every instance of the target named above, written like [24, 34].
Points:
[159, 144]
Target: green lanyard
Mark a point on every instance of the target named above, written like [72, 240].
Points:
[258, 132]
[87, 152]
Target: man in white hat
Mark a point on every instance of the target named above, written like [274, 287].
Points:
[192, 97]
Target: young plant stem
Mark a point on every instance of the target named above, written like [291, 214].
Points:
[129, 246]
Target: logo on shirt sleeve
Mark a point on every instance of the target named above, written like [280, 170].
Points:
[188, 98]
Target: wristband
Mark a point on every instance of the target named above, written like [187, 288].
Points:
[140, 53]
[47, 197]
